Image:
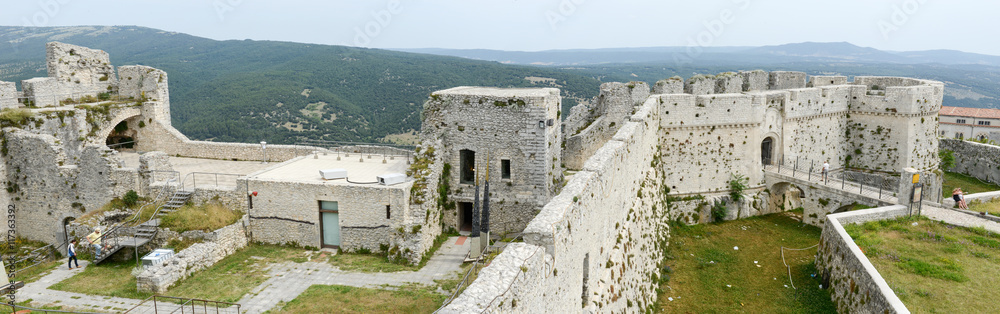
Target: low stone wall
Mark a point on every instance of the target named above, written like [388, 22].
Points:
[982, 197]
[167, 139]
[974, 159]
[158, 278]
[603, 231]
[856, 286]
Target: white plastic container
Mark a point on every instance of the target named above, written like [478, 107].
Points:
[391, 178]
[157, 257]
[333, 174]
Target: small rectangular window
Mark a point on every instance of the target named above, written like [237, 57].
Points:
[984, 123]
[327, 206]
[505, 168]
[960, 121]
[388, 211]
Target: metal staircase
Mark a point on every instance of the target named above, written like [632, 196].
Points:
[118, 236]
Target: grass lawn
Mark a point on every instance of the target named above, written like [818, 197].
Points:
[706, 275]
[968, 184]
[227, 281]
[369, 263]
[108, 278]
[934, 267]
[992, 207]
[205, 217]
[234, 276]
[344, 299]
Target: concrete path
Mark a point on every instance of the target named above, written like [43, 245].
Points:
[959, 219]
[42, 296]
[290, 279]
[287, 280]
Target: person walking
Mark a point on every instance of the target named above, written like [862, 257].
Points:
[826, 169]
[95, 240]
[71, 249]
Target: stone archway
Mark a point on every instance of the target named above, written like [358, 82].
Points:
[785, 196]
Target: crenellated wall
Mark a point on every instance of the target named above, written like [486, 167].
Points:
[594, 247]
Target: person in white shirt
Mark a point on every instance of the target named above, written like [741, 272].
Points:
[71, 248]
[826, 169]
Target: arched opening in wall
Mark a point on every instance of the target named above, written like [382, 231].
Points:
[766, 150]
[122, 138]
[845, 208]
[65, 224]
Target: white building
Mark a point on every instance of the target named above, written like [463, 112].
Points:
[974, 123]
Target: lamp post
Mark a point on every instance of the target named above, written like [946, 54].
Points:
[263, 147]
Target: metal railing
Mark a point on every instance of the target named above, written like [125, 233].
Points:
[347, 149]
[25, 309]
[811, 170]
[164, 304]
[112, 239]
[209, 179]
[477, 266]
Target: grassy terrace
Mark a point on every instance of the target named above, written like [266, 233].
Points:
[706, 274]
[931, 266]
[227, 281]
[344, 299]
[968, 184]
[992, 207]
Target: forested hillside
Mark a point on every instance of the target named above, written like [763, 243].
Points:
[248, 91]
[281, 92]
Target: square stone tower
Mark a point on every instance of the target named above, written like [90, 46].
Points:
[510, 135]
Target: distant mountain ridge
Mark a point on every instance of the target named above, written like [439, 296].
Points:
[283, 92]
[795, 52]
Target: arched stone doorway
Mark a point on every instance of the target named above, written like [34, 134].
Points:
[767, 151]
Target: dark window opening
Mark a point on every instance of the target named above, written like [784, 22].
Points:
[960, 121]
[984, 123]
[468, 166]
[465, 216]
[387, 211]
[505, 169]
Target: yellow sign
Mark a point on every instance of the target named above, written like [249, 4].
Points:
[916, 178]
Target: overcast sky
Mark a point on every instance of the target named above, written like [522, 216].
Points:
[531, 25]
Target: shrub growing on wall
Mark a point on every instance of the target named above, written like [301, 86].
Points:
[130, 198]
[737, 185]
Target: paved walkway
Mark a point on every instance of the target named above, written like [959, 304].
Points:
[290, 279]
[287, 281]
[958, 218]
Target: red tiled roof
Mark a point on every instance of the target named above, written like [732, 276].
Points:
[970, 112]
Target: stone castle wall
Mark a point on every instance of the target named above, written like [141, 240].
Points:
[74, 72]
[974, 159]
[517, 125]
[855, 285]
[225, 241]
[287, 212]
[602, 231]
[614, 104]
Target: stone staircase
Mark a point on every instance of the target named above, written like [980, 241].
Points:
[117, 238]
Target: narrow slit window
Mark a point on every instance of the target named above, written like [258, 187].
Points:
[388, 211]
[505, 168]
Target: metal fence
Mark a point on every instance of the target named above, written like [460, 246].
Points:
[812, 170]
[163, 304]
[24, 309]
[477, 265]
